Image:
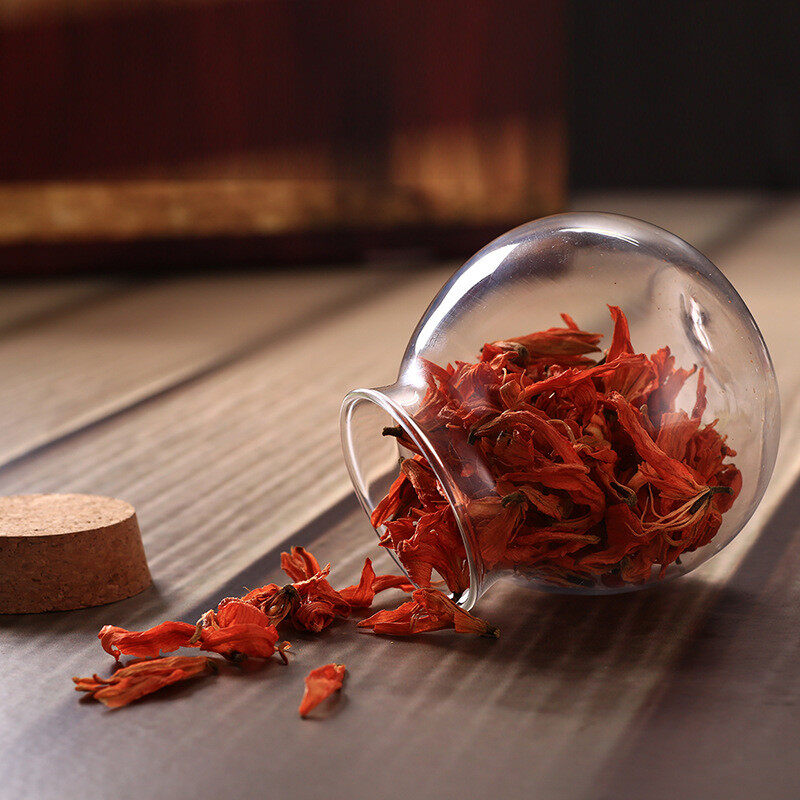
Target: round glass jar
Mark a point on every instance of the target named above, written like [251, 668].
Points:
[579, 264]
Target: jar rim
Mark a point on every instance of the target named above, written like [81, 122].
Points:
[382, 398]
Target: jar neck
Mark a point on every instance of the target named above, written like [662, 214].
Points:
[371, 460]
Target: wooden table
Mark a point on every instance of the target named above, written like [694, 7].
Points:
[211, 404]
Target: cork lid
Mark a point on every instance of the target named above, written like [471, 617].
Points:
[65, 551]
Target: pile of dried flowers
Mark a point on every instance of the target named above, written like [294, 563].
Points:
[244, 630]
[573, 471]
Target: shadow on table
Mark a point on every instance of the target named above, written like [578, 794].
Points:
[89, 620]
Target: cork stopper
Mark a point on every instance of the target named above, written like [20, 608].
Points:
[65, 551]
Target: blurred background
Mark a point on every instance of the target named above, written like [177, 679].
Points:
[164, 135]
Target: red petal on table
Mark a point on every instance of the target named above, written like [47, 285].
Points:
[318, 588]
[443, 609]
[299, 564]
[248, 639]
[429, 610]
[313, 615]
[236, 612]
[405, 620]
[321, 683]
[262, 596]
[163, 638]
[142, 678]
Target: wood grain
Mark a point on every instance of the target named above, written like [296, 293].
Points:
[22, 302]
[581, 697]
[76, 368]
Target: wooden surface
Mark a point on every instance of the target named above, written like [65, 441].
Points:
[222, 431]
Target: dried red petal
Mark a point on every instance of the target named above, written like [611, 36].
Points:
[428, 610]
[321, 683]
[318, 588]
[242, 639]
[362, 595]
[299, 564]
[701, 402]
[422, 479]
[390, 504]
[621, 339]
[314, 615]
[163, 638]
[383, 582]
[141, 678]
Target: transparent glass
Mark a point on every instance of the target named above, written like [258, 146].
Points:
[577, 263]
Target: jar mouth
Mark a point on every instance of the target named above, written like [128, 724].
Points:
[361, 431]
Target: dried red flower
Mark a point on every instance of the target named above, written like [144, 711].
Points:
[236, 630]
[311, 603]
[361, 595]
[164, 638]
[428, 610]
[144, 677]
[299, 564]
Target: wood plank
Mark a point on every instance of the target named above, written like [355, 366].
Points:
[22, 302]
[726, 715]
[76, 368]
[708, 220]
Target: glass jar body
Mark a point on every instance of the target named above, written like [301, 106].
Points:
[578, 264]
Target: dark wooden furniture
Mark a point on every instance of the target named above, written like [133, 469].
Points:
[162, 133]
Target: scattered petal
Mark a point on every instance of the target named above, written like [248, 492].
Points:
[141, 678]
[163, 638]
[321, 683]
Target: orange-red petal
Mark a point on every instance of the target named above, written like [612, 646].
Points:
[141, 678]
[163, 638]
[299, 564]
[321, 683]
[362, 595]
